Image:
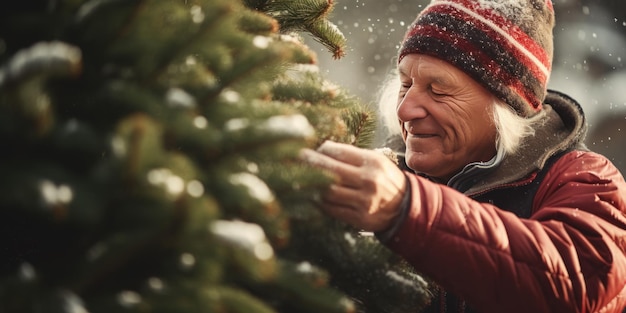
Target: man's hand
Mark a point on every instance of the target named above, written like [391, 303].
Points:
[368, 187]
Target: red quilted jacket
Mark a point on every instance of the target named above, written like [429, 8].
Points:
[567, 253]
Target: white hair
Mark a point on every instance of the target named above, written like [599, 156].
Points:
[510, 127]
[387, 104]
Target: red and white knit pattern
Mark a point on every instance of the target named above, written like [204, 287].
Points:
[509, 55]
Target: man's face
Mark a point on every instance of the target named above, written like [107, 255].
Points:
[445, 117]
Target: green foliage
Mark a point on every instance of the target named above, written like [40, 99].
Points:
[305, 15]
[150, 162]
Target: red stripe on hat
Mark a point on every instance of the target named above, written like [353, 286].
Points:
[492, 67]
[440, 34]
[511, 29]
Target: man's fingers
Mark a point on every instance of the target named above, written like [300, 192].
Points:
[315, 158]
[346, 174]
[345, 196]
[348, 205]
[342, 152]
[368, 186]
[340, 212]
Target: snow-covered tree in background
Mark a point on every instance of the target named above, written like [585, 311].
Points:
[149, 162]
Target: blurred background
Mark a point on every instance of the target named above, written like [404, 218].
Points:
[590, 52]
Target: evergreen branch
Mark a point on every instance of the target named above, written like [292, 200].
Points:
[249, 64]
[306, 294]
[305, 90]
[209, 24]
[256, 22]
[309, 16]
[362, 266]
[239, 301]
[135, 53]
[42, 60]
[291, 13]
[259, 5]
[362, 125]
[302, 54]
[24, 79]
[250, 142]
[327, 33]
[117, 23]
[120, 248]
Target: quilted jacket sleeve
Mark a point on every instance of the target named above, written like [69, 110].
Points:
[569, 256]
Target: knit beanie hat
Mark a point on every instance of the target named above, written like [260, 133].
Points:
[506, 45]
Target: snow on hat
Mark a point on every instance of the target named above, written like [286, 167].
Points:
[506, 45]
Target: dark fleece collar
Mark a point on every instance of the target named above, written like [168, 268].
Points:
[564, 128]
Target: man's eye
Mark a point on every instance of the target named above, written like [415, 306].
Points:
[404, 88]
[437, 92]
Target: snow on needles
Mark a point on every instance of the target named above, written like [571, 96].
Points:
[248, 236]
[256, 187]
[293, 126]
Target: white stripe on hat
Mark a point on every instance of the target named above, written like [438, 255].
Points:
[542, 67]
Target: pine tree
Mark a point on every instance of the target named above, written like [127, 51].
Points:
[150, 162]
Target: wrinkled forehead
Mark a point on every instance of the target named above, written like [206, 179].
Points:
[431, 68]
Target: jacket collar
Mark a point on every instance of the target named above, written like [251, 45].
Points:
[564, 128]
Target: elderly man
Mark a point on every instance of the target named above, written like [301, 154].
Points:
[505, 209]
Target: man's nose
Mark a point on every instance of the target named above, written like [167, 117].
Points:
[412, 106]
